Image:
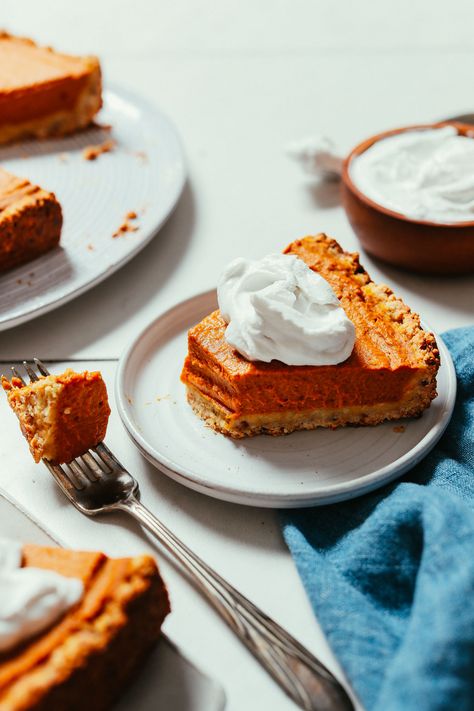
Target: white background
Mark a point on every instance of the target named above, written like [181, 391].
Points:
[240, 80]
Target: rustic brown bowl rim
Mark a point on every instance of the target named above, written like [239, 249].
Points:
[463, 128]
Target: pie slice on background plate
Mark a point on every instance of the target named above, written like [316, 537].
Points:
[44, 93]
[30, 221]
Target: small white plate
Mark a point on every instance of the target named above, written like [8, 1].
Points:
[167, 680]
[302, 469]
[145, 174]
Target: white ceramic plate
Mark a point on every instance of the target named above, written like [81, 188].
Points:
[167, 680]
[303, 469]
[145, 174]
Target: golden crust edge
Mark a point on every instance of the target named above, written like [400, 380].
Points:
[222, 420]
[393, 306]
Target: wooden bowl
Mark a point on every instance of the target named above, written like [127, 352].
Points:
[416, 245]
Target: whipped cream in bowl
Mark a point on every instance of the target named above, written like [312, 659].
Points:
[277, 308]
[409, 196]
[423, 174]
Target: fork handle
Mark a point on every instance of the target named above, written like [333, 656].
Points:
[305, 679]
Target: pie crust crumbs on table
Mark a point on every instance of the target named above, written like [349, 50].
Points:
[30, 221]
[390, 374]
[61, 416]
[86, 659]
[45, 93]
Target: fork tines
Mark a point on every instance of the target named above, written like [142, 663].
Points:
[89, 467]
[30, 370]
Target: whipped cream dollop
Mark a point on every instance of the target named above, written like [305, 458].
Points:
[317, 154]
[277, 308]
[31, 599]
[424, 174]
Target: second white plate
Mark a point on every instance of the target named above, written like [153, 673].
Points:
[145, 174]
[303, 469]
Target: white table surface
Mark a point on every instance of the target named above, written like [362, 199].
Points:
[240, 79]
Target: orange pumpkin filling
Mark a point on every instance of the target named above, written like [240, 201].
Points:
[44, 93]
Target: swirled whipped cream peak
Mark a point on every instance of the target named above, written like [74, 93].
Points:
[31, 599]
[277, 308]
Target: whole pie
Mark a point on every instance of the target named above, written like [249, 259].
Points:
[45, 93]
[390, 374]
[86, 658]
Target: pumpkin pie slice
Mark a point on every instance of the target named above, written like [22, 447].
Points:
[61, 416]
[390, 374]
[85, 660]
[44, 93]
[30, 220]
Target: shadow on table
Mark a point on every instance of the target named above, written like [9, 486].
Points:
[90, 136]
[325, 193]
[225, 519]
[168, 680]
[22, 284]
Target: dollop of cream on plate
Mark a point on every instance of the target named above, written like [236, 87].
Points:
[277, 308]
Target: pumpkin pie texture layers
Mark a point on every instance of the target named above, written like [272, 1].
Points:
[45, 93]
[30, 221]
[390, 374]
[86, 659]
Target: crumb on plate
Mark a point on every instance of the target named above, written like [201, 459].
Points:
[141, 155]
[94, 151]
[127, 224]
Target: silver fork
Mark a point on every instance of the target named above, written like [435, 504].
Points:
[97, 483]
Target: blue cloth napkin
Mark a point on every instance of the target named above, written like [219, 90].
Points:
[391, 575]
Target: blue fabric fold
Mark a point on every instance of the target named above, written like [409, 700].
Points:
[390, 575]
